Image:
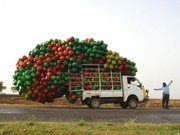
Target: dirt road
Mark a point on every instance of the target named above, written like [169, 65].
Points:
[69, 114]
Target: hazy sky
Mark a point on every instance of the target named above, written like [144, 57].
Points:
[145, 31]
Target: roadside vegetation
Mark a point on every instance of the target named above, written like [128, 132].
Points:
[33, 127]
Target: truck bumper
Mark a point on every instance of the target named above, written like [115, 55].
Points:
[146, 99]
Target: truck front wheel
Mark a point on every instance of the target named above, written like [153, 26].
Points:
[95, 103]
[133, 103]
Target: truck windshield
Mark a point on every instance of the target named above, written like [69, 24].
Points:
[132, 80]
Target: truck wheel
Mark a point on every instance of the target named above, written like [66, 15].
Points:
[133, 103]
[95, 103]
[124, 105]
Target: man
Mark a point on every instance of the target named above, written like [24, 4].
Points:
[165, 98]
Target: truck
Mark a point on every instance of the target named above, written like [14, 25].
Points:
[96, 85]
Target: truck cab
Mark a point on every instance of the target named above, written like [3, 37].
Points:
[133, 92]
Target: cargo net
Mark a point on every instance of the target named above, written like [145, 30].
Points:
[94, 77]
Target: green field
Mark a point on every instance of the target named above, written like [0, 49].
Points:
[33, 127]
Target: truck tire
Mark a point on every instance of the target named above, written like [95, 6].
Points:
[95, 103]
[133, 103]
[124, 105]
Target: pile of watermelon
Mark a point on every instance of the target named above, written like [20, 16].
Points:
[43, 74]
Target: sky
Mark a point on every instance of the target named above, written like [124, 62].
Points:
[144, 31]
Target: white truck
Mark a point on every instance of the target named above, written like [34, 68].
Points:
[97, 86]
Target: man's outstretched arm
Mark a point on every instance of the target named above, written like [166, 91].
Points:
[170, 82]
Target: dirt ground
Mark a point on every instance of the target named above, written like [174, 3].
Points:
[18, 100]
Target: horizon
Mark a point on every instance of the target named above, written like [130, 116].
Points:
[146, 32]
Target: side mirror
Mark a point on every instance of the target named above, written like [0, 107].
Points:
[140, 85]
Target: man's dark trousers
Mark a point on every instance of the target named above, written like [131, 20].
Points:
[165, 100]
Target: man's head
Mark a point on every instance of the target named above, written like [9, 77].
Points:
[164, 84]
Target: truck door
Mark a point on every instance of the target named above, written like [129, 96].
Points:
[132, 86]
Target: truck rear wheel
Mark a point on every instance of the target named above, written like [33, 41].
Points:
[124, 105]
[133, 103]
[95, 103]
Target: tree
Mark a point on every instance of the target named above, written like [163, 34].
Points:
[2, 87]
[13, 89]
[1, 83]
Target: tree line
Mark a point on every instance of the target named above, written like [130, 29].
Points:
[2, 87]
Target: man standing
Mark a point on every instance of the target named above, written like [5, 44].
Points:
[165, 98]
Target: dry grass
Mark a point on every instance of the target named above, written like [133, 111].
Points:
[158, 103]
[17, 100]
